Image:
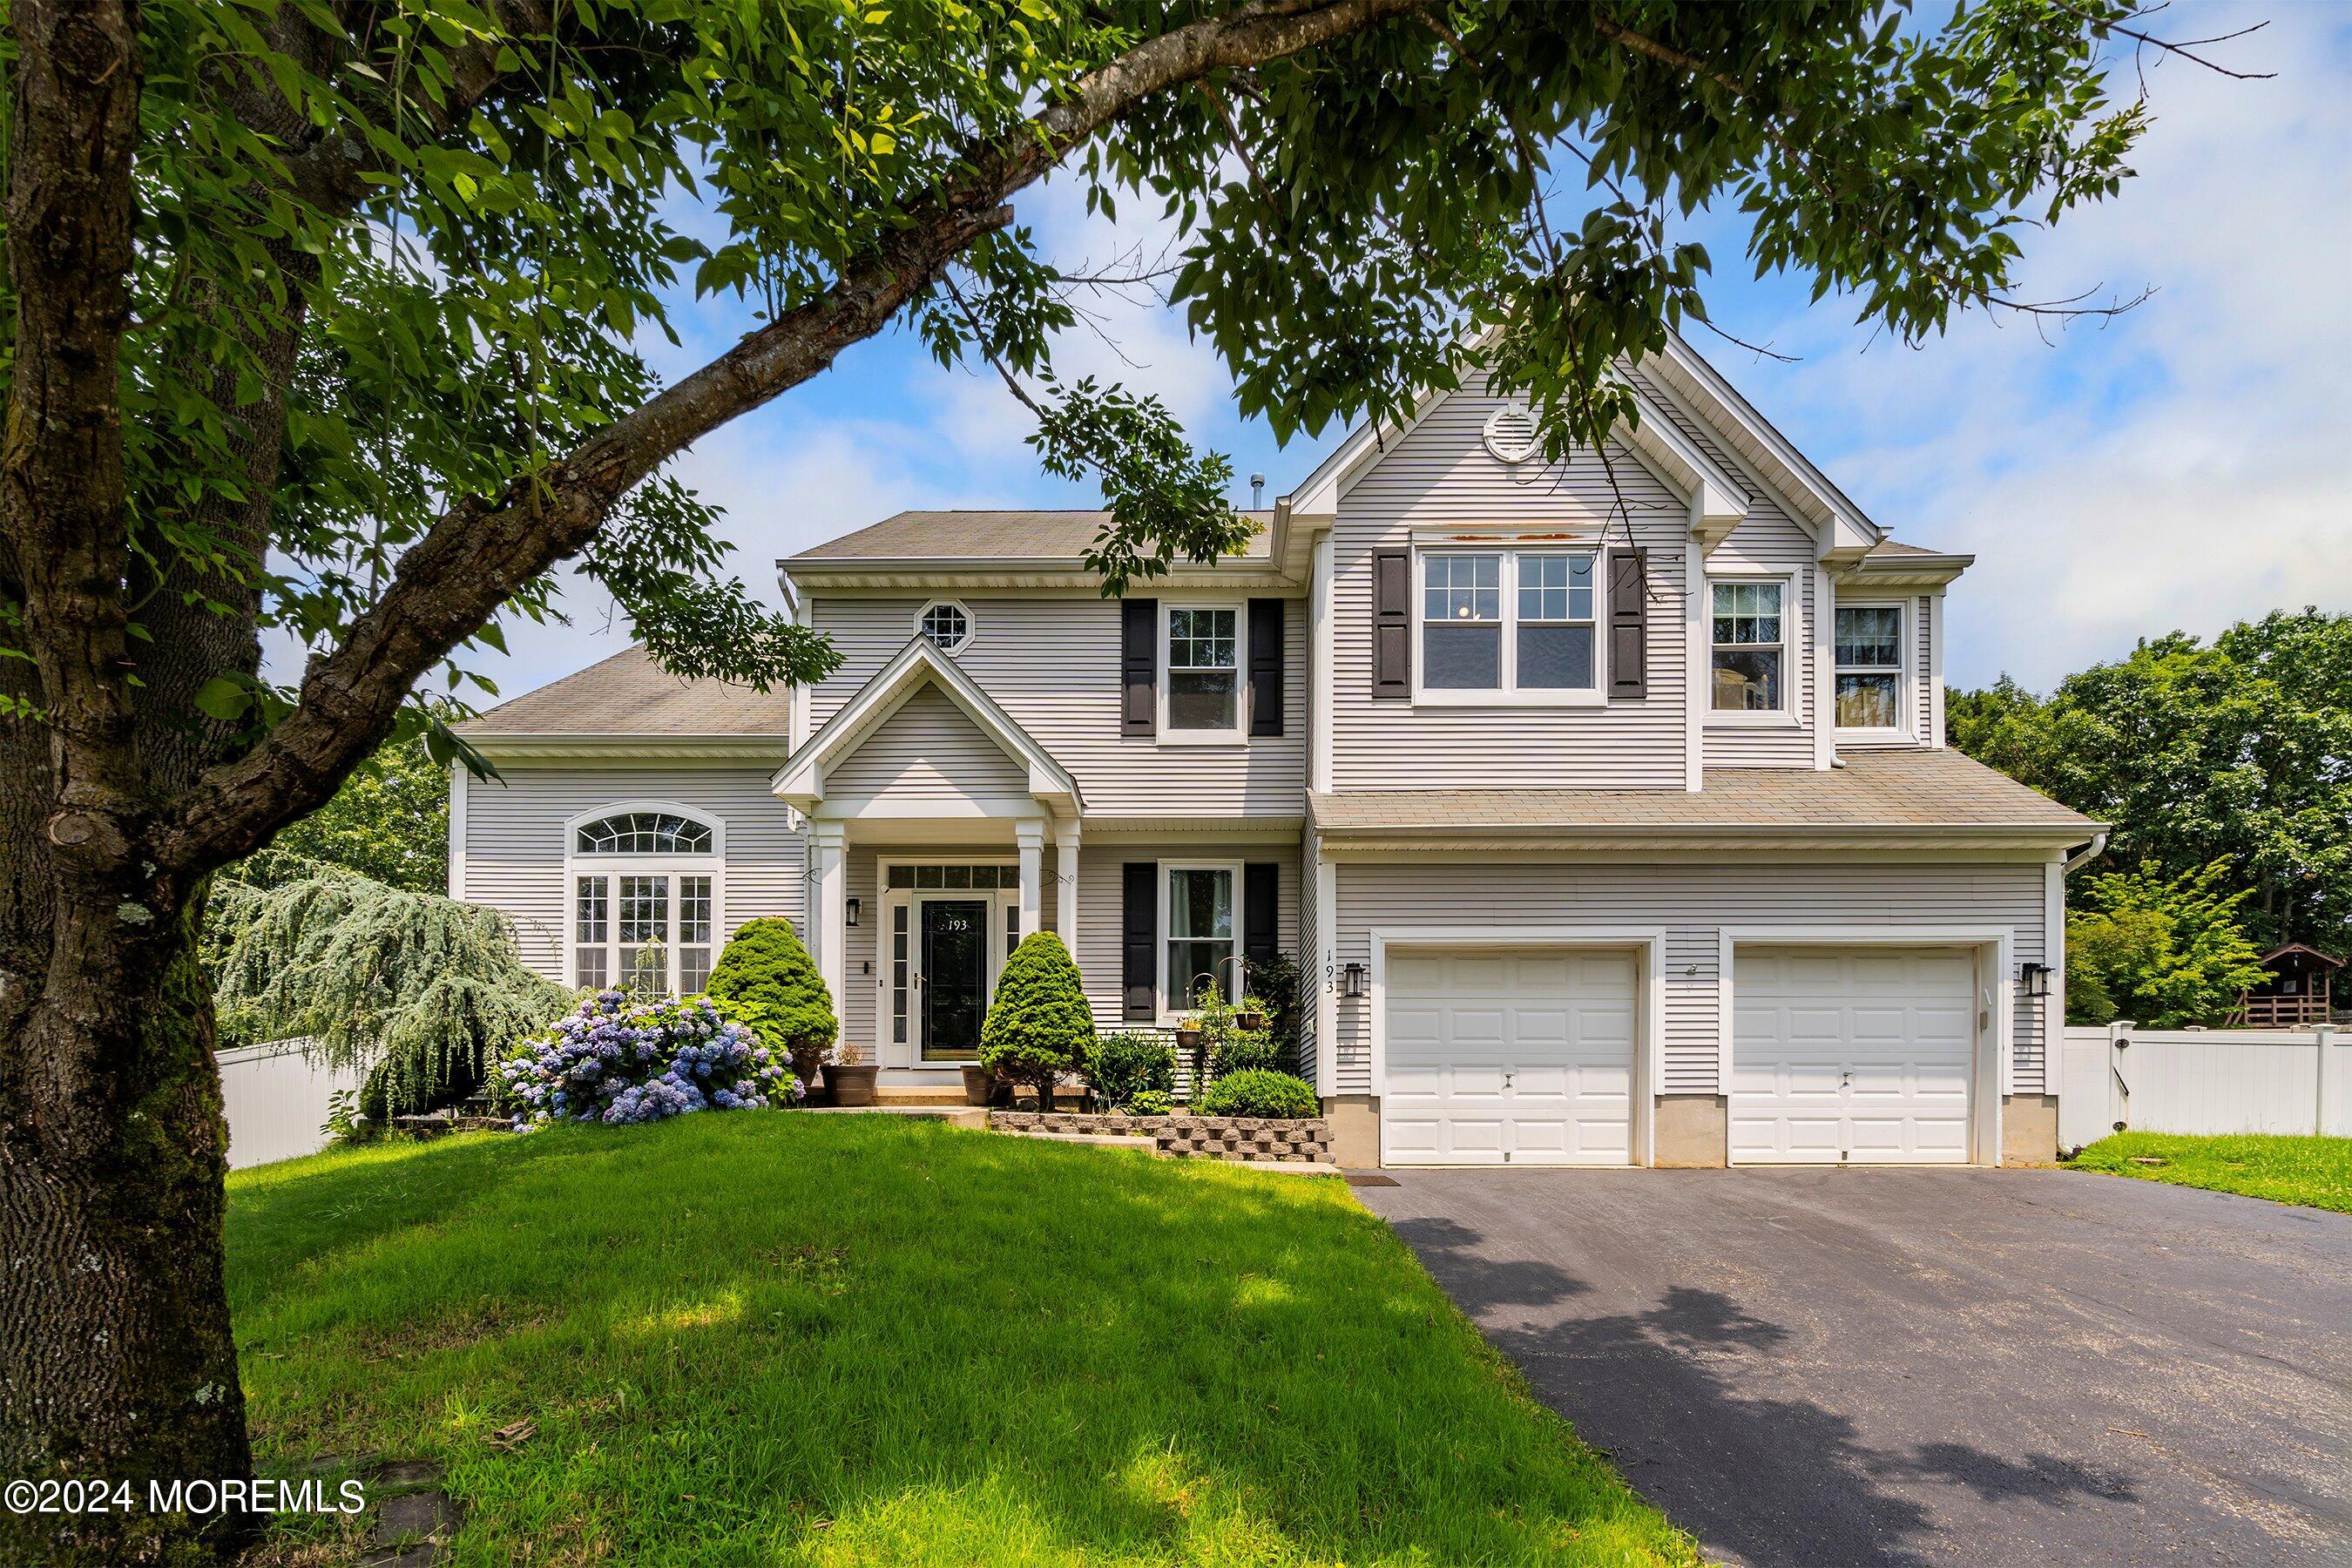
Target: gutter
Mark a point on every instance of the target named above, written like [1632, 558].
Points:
[2088, 851]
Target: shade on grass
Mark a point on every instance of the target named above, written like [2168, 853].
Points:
[765, 1337]
[2317, 1172]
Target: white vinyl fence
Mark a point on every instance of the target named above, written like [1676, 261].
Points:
[2203, 1081]
[274, 1097]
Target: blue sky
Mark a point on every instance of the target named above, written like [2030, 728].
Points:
[2179, 467]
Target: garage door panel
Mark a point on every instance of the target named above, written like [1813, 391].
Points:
[1859, 1054]
[1510, 1056]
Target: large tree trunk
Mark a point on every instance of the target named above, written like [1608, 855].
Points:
[116, 1361]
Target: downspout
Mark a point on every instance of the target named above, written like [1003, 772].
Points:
[2088, 851]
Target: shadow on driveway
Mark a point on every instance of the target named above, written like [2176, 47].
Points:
[1882, 1367]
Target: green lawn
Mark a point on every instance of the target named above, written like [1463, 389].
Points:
[2313, 1171]
[762, 1337]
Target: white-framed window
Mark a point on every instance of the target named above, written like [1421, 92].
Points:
[642, 890]
[1748, 665]
[1508, 625]
[945, 624]
[1201, 689]
[1870, 669]
[1200, 931]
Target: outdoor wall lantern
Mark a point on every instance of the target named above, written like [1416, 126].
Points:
[850, 913]
[2036, 978]
[1352, 980]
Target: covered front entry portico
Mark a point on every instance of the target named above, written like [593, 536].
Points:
[938, 835]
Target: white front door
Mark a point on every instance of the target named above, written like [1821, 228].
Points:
[1859, 1053]
[1509, 1057]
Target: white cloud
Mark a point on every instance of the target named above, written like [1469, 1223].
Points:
[2177, 468]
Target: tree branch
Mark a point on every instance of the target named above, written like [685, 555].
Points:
[483, 550]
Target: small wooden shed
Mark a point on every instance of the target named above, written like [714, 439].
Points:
[2299, 993]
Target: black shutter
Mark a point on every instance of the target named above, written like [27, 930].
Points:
[1265, 665]
[1139, 941]
[1139, 666]
[1260, 896]
[1628, 624]
[1392, 623]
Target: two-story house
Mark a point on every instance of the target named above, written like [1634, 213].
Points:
[1605, 804]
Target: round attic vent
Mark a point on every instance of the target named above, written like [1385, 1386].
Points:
[1511, 434]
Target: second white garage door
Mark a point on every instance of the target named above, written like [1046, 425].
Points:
[1851, 1054]
[1521, 1057]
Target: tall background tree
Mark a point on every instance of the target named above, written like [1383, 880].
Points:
[2235, 754]
[322, 317]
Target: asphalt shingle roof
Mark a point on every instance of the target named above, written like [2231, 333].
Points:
[628, 694]
[959, 536]
[1875, 789]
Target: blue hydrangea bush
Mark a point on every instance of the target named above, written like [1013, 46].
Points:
[623, 1060]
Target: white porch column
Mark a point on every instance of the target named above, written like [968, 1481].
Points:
[828, 916]
[1065, 885]
[1030, 837]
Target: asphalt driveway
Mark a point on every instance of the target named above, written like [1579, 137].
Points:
[1875, 1367]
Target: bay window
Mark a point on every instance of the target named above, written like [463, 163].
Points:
[1869, 667]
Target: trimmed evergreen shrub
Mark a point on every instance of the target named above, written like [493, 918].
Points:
[1039, 1025]
[1256, 1092]
[1120, 1067]
[1244, 1051]
[765, 979]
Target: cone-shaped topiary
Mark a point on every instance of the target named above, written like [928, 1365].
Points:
[765, 979]
[1039, 1025]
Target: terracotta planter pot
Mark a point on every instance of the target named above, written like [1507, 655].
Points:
[852, 1083]
[979, 1084]
[806, 1066]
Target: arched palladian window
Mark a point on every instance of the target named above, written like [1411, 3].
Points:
[644, 886]
[644, 833]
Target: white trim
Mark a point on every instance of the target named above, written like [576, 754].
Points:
[1325, 892]
[800, 783]
[1509, 693]
[639, 747]
[1993, 945]
[2053, 954]
[1824, 685]
[1905, 726]
[1066, 886]
[1238, 734]
[1697, 666]
[909, 1056]
[1649, 1045]
[826, 923]
[971, 624]
[1936, 670]
[1792, 630]
[458, 776]
[710, 863]
[1319, 655]
[1161, 923]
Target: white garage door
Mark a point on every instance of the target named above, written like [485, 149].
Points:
[1851, 1054]
[1509, 1057]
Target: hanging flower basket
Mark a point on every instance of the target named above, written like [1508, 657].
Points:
[1251, 1019]
[1188, 1037]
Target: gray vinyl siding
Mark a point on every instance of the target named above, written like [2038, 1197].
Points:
[515, 850]
[1101, 906]
[1310, 973]
[1690, 902]
[1051, 661]
[928, 749]
[1440, 473]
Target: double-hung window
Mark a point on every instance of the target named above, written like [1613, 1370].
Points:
[1869, 667]
[1204, 688]
[644, 902]
[1202, 939]
[1512, 621]
[1750, 646]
